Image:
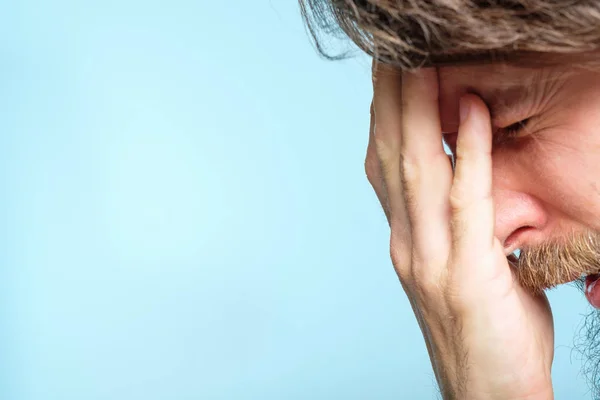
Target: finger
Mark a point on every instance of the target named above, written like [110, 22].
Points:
[387, 106]
[373, 168]
[383, 159]
[471, 194]
[427, 174]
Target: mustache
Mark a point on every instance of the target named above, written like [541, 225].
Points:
[557, 261]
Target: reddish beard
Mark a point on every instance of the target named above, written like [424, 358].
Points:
[558, 261]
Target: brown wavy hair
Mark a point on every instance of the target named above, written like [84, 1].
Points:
[415, 33]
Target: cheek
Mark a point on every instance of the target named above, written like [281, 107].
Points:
[563, 176]
[575, 197]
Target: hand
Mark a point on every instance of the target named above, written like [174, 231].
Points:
[487, 337]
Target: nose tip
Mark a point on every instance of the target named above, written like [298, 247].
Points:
[519, 217]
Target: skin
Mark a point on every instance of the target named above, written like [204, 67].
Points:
[452, 229]
[545, 182]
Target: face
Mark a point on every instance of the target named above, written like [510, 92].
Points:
[546, 163]
[546, 174]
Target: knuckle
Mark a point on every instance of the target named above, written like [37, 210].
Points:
[372, 168]
[409, 178]
[386, 142]
[384, 145]
[401, 259]
[410, 170]
[457, 199]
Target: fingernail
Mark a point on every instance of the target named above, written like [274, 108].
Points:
[464, 108]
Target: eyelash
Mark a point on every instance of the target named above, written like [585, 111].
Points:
[510, 132]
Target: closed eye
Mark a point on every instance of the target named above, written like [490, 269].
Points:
[509, 133]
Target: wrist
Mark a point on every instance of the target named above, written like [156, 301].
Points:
[515, 391]
[546, 393]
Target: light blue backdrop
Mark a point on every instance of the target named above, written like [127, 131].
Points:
[184, 213]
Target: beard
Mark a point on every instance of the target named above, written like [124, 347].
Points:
[557, 261]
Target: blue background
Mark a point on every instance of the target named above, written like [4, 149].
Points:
[184, 213]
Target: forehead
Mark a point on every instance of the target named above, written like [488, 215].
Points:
[501, 86]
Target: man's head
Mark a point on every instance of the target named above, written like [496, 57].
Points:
[536, 64]
[546, 158]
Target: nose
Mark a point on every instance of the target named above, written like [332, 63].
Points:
[520, 219]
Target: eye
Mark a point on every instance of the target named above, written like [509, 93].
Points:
[511, 132]
[514, 129]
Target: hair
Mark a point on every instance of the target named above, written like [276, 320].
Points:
[410, 34]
